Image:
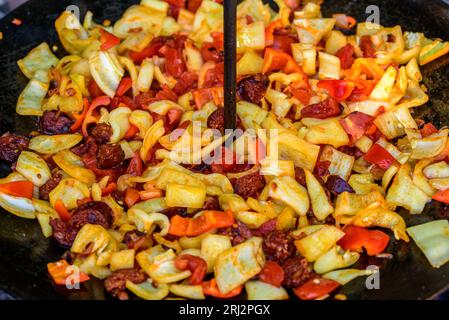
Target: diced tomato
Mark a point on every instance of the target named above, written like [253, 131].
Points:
[272, 273]
[325, 109]
[346, 56]
[356, 124]
[379, 156]
[214, 77]
[357, 238]
[428, 129]
[367, 46]
[316, 288]
[338, 89]
[196, 265]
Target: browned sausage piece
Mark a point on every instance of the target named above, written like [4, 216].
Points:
[63, 233]
[278, 246]
[11, 145]
[253, 88]
[45, 190]
[238, 233]
[216, 120]
[297, 271]
[248, 185]
[116, 282]
[101, 133]
[94, 212]
[300, 176]
[110, 156]
[54, 122]
[137, 240]
[211, 203]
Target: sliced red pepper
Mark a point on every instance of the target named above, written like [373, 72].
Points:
[94, 89]
[272, 273]
[276, 60]
[23, 189]
[357, 238]
[97, 102]
[191, 227]
[132, 196]
[111, 187]
[174, 61]
[151, 50]
[204, 95]
[124, 86]
[283, 42]
[356, 124]
[316, 288]
[338, 89]
[380, 157]
[362, 89]
[186, 82]
[60, 208]
[61, 275]
[442, 196]
[428, 129]
[131, 133]
[108, 40]
[210, 288]
[269, 31]
[79, 118]
[218, 40]
[196, 265]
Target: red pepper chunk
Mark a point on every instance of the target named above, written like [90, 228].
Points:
[325, 109]
[174, 62]
[316, 288]
[442, 196]
[428, 129]
[196, 265]
[272, 273]
[108, 40]
[366, 44]
[276, 60]
[338, 89]
[62, 275]
[380, 157]
[124, 86]
[23, 189]
[357, 238]
[356, 124]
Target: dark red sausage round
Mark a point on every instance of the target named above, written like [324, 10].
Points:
[110, 156]
[11, 145]
[54, 122]
[116, 282]
[94, 212]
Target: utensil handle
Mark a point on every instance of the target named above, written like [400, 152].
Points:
[230, 13]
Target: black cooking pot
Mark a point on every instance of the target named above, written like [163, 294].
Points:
[24, 252]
